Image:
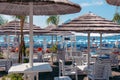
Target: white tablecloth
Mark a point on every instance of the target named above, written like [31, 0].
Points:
[25, 68]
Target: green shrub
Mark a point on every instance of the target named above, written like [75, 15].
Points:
[53, 49]
[14, 76]
[1, 56]
[26, 60]
[27, 52]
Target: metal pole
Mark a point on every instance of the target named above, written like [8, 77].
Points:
[8, 43]
[88, 49]
[71, 50]
[52, 40]
[100, 40]
[31, 34]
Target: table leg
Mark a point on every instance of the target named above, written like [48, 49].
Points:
[25, 76]
[31, 76]
[37, 76]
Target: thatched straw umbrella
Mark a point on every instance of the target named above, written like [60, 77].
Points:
[13, 28]
[42, 7]
[1, 31]
[90, 23]
[50, 27]
[61, 33]
[113, 2]
[56, 33]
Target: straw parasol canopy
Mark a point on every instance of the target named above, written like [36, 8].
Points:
[1, 31]
[60, 33]
[90, 23]
[113, 2]
[40, 7]
[50, 27]
[13, 28]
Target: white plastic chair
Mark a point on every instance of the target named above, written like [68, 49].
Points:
[81, 65]
[98, 71]
[84, 58]
[46, 57]
[6, 64]
[114, 61]
[67, 70]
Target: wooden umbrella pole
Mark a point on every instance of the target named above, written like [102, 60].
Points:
[31, 34]
[88, 63]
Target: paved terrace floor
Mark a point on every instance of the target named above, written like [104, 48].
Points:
[55, 72]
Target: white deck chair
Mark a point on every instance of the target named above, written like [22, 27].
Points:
[46, 57]
[6, 64]
[60, 74]
[80, 65]
[98, 72]
[67, 70]
[114, 61]
[84, 58]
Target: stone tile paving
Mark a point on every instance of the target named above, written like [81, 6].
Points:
[55, 72]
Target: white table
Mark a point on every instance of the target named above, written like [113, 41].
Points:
[26, 69]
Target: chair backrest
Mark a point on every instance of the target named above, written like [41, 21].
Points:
[78, 60]
[100, 71]
[66, 69]
[46, 57]
[62, 67]
[85, 58]
[5, 63]
[114, 60]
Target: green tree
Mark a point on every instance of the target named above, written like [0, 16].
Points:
[54, 19]
[2, 20]
[22, 43]
[116, 18]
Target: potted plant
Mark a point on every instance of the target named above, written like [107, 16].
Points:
[1, 56]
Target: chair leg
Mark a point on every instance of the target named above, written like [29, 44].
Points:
[76, 77]
[117, 66]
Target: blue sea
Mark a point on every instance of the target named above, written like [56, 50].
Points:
[81, 41]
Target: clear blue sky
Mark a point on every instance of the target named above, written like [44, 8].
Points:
[98, 7]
